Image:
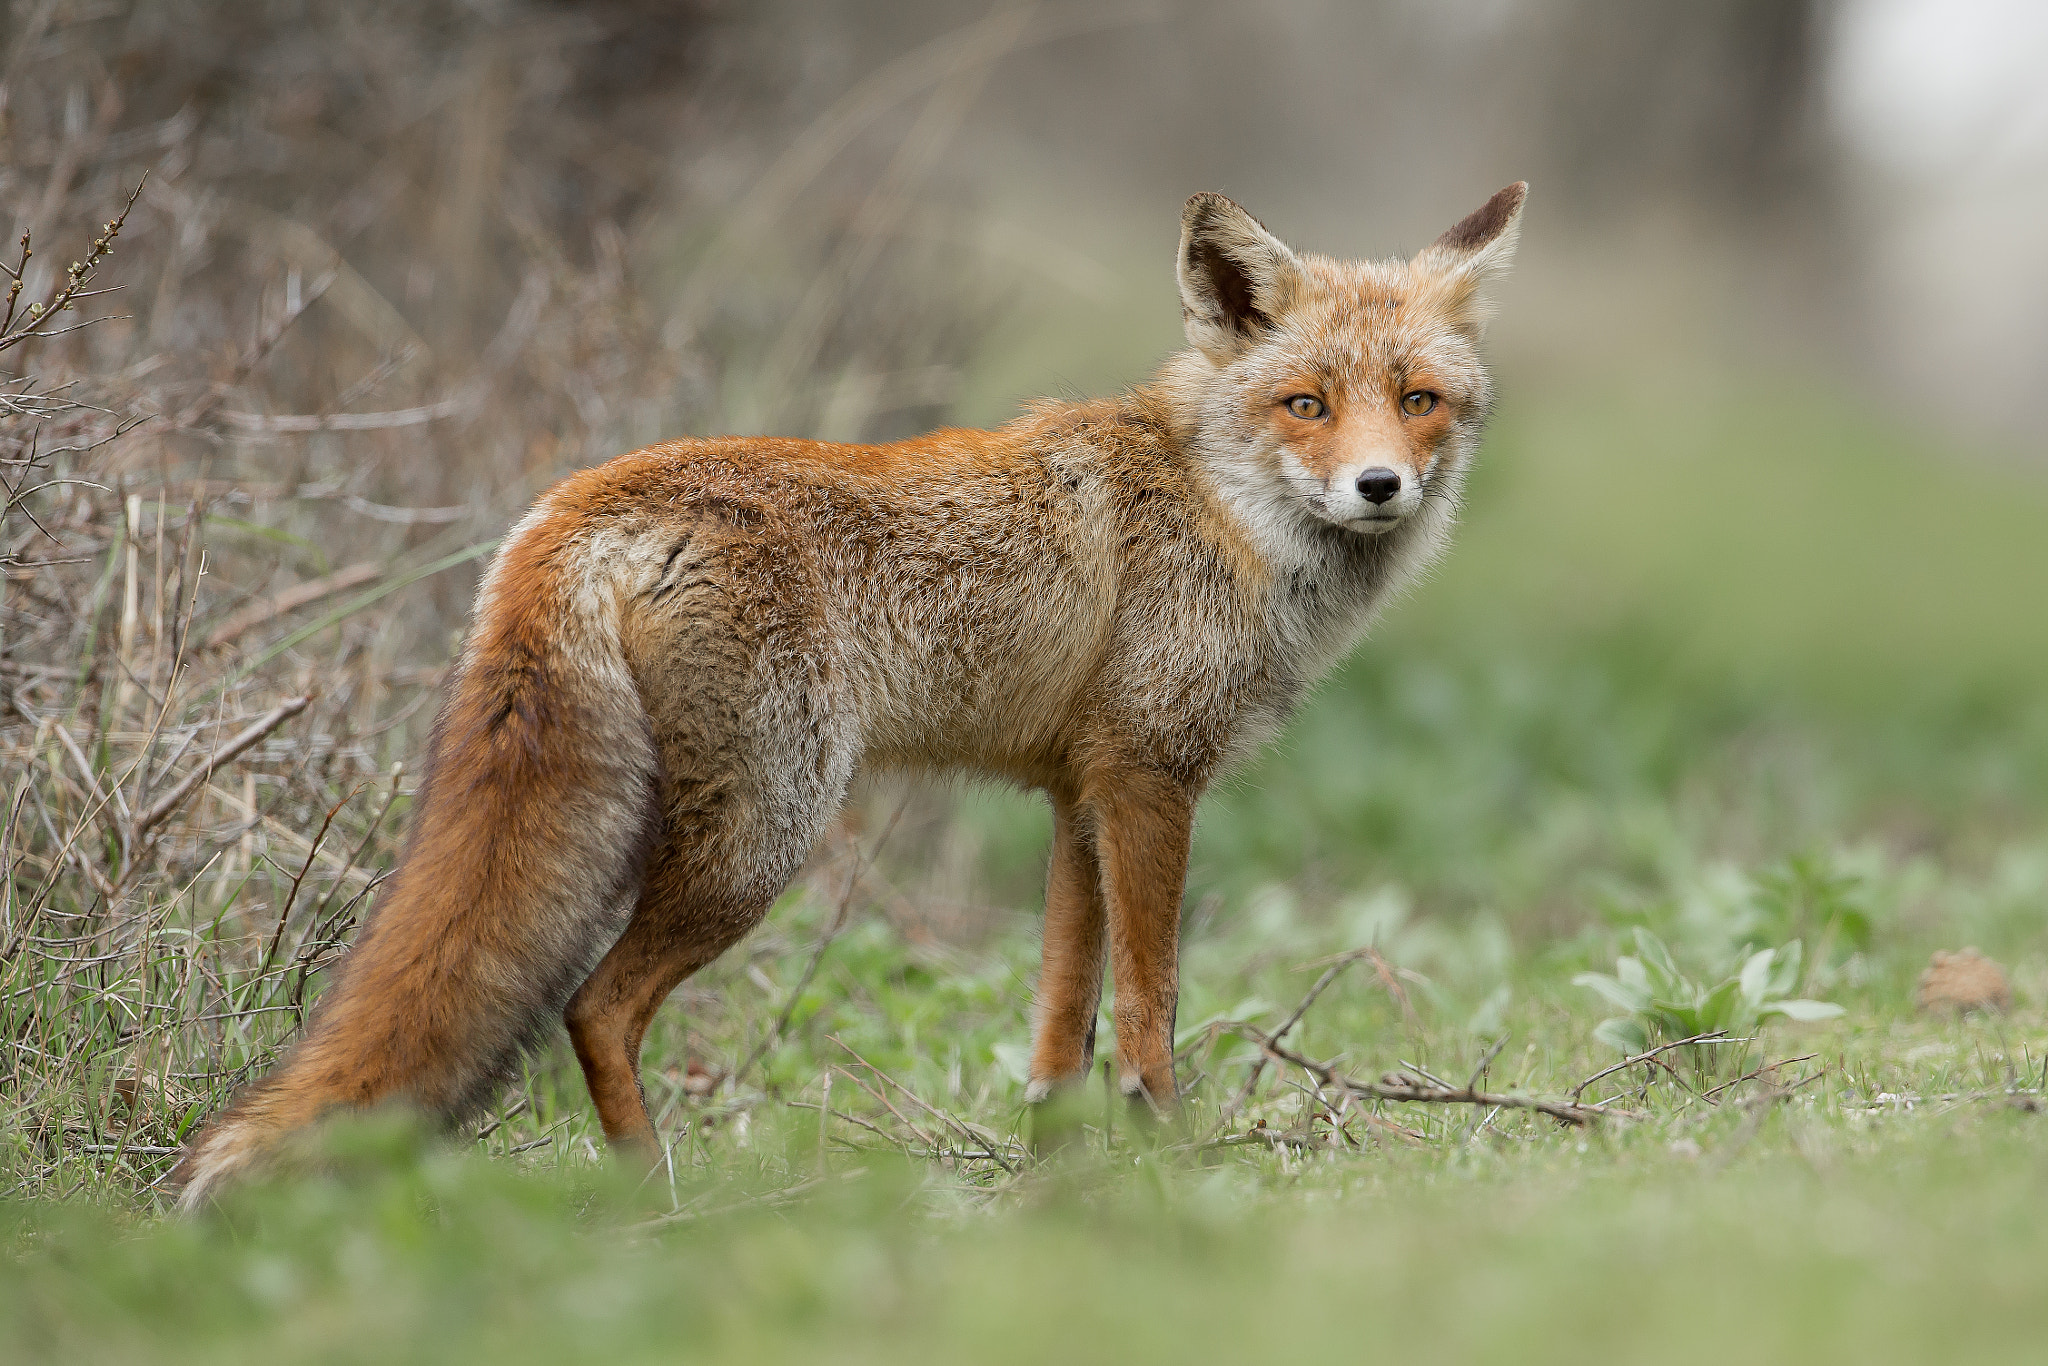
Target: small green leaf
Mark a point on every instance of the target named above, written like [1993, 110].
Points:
[1724, 1008]
[1632, 975]
[1785, 975]
[1756, 977]
[1653, 953]
[1623, 1033]
[1628, 997]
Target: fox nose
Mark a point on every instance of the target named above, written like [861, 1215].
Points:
[1378, 484]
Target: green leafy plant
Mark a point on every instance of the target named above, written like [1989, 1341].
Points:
[1808, 895]
[1725, 914]
[1661, 1003]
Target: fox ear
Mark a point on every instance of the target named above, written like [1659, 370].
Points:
[1477, 248]
[1235, 277]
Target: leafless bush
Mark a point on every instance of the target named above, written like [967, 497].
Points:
[391, 268]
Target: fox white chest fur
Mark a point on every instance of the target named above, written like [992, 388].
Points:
[681, 658]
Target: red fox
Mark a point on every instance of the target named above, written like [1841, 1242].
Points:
[680, 659]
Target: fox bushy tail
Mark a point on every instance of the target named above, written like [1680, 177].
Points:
[528, 841]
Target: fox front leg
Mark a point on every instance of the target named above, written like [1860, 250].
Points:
[1143, 822]
[1070, 970]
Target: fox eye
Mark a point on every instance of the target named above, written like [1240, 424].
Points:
[1417, 402]
[1306, 406]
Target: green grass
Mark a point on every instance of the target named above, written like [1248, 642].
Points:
[1779, 1235]
[1690, 668]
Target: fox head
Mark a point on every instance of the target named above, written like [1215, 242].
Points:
[1349, 393]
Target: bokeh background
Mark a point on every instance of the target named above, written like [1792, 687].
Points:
[1748, 596]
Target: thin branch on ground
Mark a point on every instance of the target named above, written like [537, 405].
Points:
[1711, 1036]
[1251, 1083]
[1751, 1075]
[1399, 1086]
[958, 1126]
[1479, 1072]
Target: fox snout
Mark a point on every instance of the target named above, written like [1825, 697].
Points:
[1378, 485]
[1369, 494]
[1374, 498]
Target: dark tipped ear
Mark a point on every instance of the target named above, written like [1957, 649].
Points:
[1477, 248]
[1483, 240]
[1235, 277]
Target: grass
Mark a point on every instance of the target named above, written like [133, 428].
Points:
[1814, 1243]
[1769, 1232]
[1614, 709]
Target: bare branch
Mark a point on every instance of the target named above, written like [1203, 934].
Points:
[39, 315]
[1330, 975]
[1399, 1086]
[226, 754]
[1712, 1036]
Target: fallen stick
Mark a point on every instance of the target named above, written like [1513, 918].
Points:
[1751, 1075]
[1251, 1083]
[1711, 1036]
[1399, 1086]
[958, 1126]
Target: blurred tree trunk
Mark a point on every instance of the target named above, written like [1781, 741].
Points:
[1706, 98]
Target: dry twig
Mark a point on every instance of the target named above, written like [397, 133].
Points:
[1399, 1086]
[958, 1126]
[1330, 974]
[1712, 1036]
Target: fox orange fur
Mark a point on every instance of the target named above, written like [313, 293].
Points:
[680, 659]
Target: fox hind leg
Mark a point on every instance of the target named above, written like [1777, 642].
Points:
[717, 872]
[675, 930]
[732, 658]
